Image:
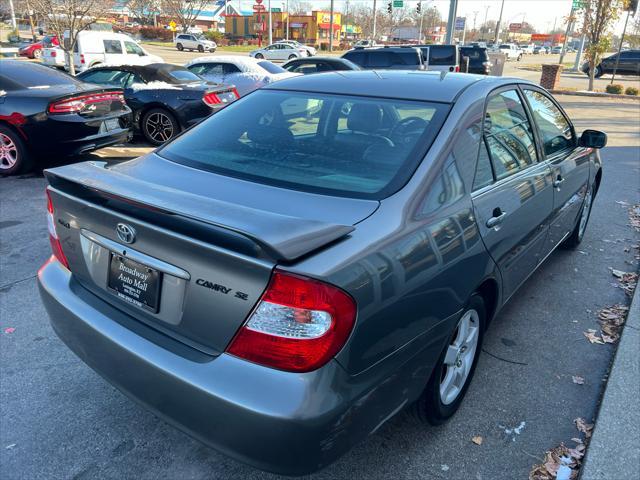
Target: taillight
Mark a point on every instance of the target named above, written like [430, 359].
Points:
[298, 325]
[56, 247]
[220, 98]
[457, 69]
[79, 103]
[82, 58]
[54, 54]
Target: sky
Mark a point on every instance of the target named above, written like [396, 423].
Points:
[540, 13]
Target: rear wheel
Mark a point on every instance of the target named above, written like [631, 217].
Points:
[37, 53]
[159, 126]
[519, 57]
[291, 57]
[452, 375]
[200, 48]
[179, 47]
[14, 157]
[599, 72]
[259, 56]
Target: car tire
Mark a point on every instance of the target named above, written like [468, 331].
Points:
[212, 50]
[179, 46]
[200, 48]
[259, 56]
[442, 397]
[519, 58]
[37, 54]
[599, 71]
[573, 240]
[292, 56]
[158, 126]
[14, 156]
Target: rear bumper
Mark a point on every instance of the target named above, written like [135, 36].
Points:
[277, 421]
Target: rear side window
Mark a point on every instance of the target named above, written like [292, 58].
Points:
[484, 173]
[112, 46]
[508, 134]
[379, 59]
[269, 67]
[133, 48]
[184, 76]
[207, 68]
[115, 78]
[357, 57]
[553, 126]
[293, 140]
[442, 55]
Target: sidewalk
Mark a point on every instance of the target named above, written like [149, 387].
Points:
[614, 451]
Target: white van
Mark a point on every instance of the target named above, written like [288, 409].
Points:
[94, 48]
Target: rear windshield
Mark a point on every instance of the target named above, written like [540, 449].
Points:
[271, 67]
[386, 58]
[474, 53]
[34, 76]
[442, 55]
[353, 146]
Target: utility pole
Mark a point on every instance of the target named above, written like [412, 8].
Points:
[287, 19]
[375, 18]
[331, 28]
[475, 16]
[566, 35]
[451, 22]
[497, 36]
[13, 15]
[624, 30]
[270, 29]
[484, 25]
[421, 20]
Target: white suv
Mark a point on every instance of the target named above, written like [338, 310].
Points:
[191, 41]
[511, 50]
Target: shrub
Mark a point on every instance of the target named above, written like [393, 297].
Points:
[156, 33]
[214, 35]
[631, 91]
[615, 88]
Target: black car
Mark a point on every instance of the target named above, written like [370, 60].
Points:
[165, 99]
[387, 58]
[478, 60]
[441, 58]
[319, 64]
[629, 64]
[44, 112]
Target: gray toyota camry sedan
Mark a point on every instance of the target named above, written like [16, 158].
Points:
[285, 277]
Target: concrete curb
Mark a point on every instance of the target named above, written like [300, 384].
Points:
[596, 95]
[614, 450]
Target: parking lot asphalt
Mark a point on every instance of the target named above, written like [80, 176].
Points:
[59, 419]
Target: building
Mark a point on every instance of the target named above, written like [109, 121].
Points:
[313, 29]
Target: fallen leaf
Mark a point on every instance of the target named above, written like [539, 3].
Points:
[583, 426]
[617, 273]
[9, 330]
[592, 337]
[577, 379]
[477, 440]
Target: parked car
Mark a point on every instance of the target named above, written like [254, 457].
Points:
[310, 50]
[289, 274]
[34, 50]
[527, 49]
[629, 64]
[53, 57]
[165, 99]
[245, 73]
[97, 47]
[441, 58]
[539, 50]
[279, 51]
[365, 43]
[387, 58]
[45, 113]
[479, 61]
[319, 64]
[188, 41]
[511, 50]
[557, 50]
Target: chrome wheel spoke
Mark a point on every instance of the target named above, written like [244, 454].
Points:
[451, 355]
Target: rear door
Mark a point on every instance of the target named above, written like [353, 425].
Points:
[569, 163]
[512, 196]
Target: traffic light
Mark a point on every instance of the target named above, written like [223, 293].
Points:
[390, 7]
[419, 7]
[632, 6]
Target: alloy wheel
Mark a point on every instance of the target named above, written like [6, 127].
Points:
[458, 361]
[8, 152]
[159, 127]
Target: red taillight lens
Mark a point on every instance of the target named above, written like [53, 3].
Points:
[298, 325]
[79, 103]
[54, 54]
[82, 59]
[56, 247]
[457, 68]
[220, 98]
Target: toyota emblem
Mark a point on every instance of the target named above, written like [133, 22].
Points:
[126, 233]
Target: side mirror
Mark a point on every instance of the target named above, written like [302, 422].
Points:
[593, 139]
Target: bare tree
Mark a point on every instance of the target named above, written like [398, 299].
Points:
[599, 16]
[72, 16]
[297, 7]
[184, 12]
[144, 10]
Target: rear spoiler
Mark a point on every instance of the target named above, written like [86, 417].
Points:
[280, 237]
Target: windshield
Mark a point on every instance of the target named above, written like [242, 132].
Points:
[271, 67]
[342, 145]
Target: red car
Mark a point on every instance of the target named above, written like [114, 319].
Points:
[34, 50]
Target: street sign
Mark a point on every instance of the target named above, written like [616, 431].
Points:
[258, 2]
[259, 8]
[172, 26]
[398, 3]
[514, 27]
[577, 4]
[460, 21]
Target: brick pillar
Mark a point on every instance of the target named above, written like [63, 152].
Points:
[550, 76]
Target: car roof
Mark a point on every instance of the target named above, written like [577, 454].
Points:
[400, 84]
[319, 58]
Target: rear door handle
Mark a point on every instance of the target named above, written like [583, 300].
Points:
[496, 219]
